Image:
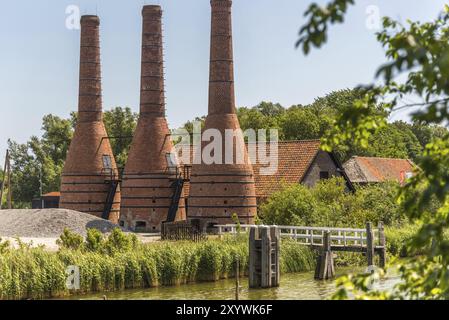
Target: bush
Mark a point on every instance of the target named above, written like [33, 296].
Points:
[398, 240]
[117, 241]
[330, 204]
[4, 246]
[293, 205]
[94, 240]
[70, 240]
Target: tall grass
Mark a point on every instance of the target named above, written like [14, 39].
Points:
[34, 273]
[296, 258]
[120, 262]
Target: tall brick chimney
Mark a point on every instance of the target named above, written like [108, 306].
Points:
[218, 191]
[149, 185]
[90, 167]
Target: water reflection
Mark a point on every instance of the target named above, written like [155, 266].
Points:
[299, 286]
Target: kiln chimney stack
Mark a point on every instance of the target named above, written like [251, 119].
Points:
[90, 177]
[150, 188]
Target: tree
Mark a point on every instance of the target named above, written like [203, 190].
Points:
[43, 158]
[314, 121]
[328, 204]
[424, 133]
[270, 109]
[409, 139]
[24, 174]
[120, 124]
[189, 124]
[419, 52]
[49, 152]
[300, 123]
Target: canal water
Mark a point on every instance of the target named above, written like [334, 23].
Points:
[297, 286]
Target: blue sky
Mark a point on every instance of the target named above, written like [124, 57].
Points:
[39, 56]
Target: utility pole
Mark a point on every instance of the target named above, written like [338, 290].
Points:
[4, 179]
[9, 185]
[40, 186]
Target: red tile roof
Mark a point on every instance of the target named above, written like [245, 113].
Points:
[294, 160]
[52, 194]
[375, 170]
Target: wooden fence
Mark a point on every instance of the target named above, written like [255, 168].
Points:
[367, 241]
[180, 231]
[313, 236]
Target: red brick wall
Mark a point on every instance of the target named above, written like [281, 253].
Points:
[218, 191]
[146, 186]
[83, 186]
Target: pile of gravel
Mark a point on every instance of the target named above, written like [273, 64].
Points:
[49, 223]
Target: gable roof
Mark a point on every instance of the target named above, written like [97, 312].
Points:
[52, 194]
[294, 160]
[375, 170]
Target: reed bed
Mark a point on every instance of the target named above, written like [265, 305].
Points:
[120, 263]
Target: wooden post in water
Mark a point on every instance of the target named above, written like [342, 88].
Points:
[325, 268]
[254, 256]
[382, 244]
[264, 269]
[275, 260]
[369, 244]
[266, 257]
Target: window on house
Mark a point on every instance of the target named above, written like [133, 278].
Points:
[324, 175]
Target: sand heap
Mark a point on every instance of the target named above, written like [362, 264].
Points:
[49, 223]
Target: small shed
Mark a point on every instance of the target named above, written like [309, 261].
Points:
[47, 201]
[369, 170]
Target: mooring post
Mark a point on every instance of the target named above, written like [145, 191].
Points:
[369, 244]
[254, 263]
[266, 257]
[382, 244]
[276, 246]
[325, 267]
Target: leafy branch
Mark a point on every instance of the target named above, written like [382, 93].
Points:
[420, 53]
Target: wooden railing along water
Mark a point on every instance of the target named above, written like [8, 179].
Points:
[370, 242]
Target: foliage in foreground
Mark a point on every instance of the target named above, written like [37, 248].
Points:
[119, 262]
[418, 67]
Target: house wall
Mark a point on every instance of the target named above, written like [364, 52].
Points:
[322, 163]
[49, 202]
